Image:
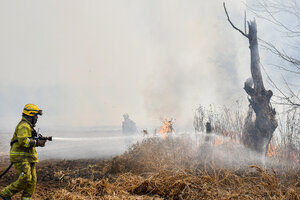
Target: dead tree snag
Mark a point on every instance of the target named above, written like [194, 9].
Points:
[260, 124]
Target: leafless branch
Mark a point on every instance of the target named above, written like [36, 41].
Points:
[244, 34]
[272, 8]
[291, 91]
[284, 96]
[285, 69]
[283, 55]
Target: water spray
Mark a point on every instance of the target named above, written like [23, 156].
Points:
[79, 139]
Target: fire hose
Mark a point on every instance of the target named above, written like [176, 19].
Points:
[39, 137]
[5, 171]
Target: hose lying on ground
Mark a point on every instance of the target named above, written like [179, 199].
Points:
[5, 171]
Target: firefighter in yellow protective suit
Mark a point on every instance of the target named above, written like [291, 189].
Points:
[23, 154]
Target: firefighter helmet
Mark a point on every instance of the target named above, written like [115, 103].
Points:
[32, 110]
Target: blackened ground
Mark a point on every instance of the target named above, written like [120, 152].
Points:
[55, 174]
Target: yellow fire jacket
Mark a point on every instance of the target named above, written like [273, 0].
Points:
[21, 151]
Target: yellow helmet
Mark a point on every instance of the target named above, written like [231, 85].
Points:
[32, 110]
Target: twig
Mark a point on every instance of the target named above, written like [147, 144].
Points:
[244, 34]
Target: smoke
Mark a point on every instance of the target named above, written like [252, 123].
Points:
[90, 146]
[87, 63]
[216, 151]
[195, 65]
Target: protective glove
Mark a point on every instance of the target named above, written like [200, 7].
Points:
[40, 143]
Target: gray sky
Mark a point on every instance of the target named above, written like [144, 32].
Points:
[85, 63]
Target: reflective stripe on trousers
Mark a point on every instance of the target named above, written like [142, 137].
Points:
[21, 153]
[26, 181]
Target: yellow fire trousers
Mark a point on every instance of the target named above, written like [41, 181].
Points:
[26, 181]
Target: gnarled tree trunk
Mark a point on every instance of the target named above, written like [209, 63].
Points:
[261, 121]
[260, 125]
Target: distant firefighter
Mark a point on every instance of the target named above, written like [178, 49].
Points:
[208, 130]
[128, 126]
[208, 127]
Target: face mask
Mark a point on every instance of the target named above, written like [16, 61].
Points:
[34, 119]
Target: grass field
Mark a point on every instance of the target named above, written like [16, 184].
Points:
[171, 168]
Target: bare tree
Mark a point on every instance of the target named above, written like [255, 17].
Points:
[289, 128]
[199, 122]
[284, 17]
[224, 120]
[260, 122]
[276, 13]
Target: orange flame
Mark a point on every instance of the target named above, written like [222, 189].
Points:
[275, 151]
[293, 156]
[219, 140]
[272, 150]
[167, 127]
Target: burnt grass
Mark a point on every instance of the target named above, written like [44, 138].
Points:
[171, 168]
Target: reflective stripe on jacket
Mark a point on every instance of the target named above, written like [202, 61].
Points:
[21, 151]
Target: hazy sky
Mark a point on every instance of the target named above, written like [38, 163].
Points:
[85, 63]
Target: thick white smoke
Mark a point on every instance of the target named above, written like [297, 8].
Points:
[87, 63]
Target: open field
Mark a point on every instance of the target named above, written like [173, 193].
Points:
[171, 168]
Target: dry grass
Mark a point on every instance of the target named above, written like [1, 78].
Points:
[176, 168]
